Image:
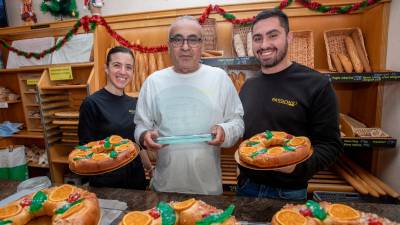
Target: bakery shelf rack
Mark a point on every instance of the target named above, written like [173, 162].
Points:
[62, 98]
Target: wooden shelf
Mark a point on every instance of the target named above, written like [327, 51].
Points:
[231, 61]
[354, 142]
[32, 105]
[42, 67]
[63, 160]
[30, 92]
[78, 86]
[59, 153]
[35, 165]
[32, 117]
[28, 134]
[249, 62]
[13, 102]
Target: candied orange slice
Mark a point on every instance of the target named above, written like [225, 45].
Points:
[92, 143]
[343, 212]
[296, 141]
[290, 217]
[81, 154]
[115, 139]
[275, 151]
[72, 210]
[255, 138]
[247, 150]
[279, 134]
[179, 206]
[61, 193]
[122, 147]
[99, 156]
[137, 218]
[9, 211]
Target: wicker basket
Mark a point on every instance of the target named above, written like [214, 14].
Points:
[370, 132]
[242, 30]
[209, 34]
[334, 42]
[301, 49]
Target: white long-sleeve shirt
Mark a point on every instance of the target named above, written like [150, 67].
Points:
[187, 104]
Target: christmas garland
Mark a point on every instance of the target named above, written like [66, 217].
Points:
[89, 23]
[315, 6]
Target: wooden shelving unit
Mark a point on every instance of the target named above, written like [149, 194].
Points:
[27, 83]
[62, 96]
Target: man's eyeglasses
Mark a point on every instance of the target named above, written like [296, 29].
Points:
[178, 41]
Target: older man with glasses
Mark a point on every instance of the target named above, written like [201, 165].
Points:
[188, 98]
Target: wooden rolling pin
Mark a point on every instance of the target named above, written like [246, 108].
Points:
[363, 174]
[359, 187]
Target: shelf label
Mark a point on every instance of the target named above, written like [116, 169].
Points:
[32, 81]
[60, 73]
[3, 105]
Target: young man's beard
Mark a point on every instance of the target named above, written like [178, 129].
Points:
[275, 61]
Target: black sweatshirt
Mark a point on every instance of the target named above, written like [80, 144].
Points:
[301, 102]
[103, 114]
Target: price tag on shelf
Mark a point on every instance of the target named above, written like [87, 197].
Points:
[3, 105]
[32, 81]
[60, 73]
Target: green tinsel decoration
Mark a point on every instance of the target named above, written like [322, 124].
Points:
[60, 8]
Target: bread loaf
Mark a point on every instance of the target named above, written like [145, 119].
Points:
[238, 44]
[352, 51]
[138, 70]
[145, 68]
[336, 62]
[152, 64]
[250, 44]
[206, 54]
[361, 53]
[346, 63]
[160, 61]
[214, 52]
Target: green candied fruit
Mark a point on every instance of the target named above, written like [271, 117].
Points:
[259, 152]
[113, 154]
[5, 222]
[37, 201]
[65, 207]
[88, 156]
[82, 147]
[289, 148]
[317, 211]
[107, 145]
[252, 143]
[217, 217]
[268, 134]
[168, 216]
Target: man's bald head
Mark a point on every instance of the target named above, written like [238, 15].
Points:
[184, 20]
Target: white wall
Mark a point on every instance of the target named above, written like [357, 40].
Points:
[112, 7]
[389, 159]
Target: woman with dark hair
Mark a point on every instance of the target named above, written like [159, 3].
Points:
[110, 111]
